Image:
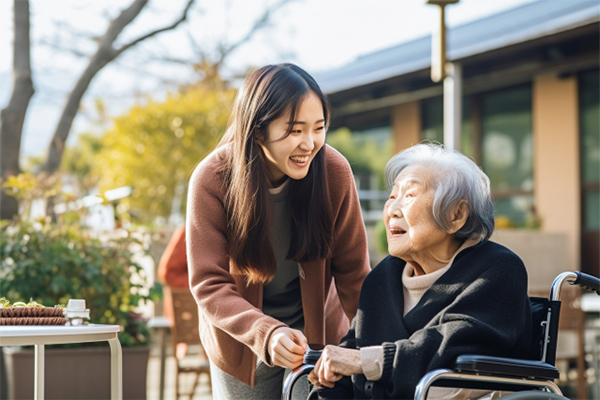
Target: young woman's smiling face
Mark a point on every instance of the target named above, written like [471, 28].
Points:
[293, 154]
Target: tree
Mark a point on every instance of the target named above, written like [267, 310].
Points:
[12, 117]
[104, 54]
[208, 61]
[155, 147]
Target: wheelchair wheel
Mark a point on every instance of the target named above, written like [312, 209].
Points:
[296, 385]
[533, 395]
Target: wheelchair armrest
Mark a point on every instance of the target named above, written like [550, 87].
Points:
[501, 366]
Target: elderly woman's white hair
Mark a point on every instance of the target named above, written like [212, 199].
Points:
[455, 178]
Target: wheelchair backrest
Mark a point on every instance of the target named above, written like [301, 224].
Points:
[545, 315]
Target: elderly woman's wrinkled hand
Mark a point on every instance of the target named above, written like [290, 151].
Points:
[335, 362]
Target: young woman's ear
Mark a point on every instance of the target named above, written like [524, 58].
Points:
[458, 216]
[258, 137]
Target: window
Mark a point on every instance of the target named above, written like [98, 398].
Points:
[507, 151]
[497, 134]
[433, 124]
[367, 151]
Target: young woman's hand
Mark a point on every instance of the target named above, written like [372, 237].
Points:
[287, 347]
[335, 362]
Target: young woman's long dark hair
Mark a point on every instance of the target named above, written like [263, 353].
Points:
[266, 95]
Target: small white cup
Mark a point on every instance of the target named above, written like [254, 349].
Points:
[76, 305]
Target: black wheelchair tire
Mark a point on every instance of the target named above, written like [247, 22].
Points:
[533, 395]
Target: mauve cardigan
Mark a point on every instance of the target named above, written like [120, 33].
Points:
[233, 329]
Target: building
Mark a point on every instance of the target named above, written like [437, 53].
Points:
[530, 112]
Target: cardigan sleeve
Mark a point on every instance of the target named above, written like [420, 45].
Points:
[488, 317]
[211, 283]
[350, 258]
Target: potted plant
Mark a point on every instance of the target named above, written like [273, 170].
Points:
[53, 260]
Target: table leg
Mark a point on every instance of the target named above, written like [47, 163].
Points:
[161, 343]
[39, 372]
[116, 370]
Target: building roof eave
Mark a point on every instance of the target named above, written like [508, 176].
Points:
[513, 27]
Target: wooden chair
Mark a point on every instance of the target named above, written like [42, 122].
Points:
[184, 333]
[571, 338]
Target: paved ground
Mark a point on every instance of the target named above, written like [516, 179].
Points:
[153, 381]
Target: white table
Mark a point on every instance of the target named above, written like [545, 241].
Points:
[590, 303]
[162, 326]
[39, 336]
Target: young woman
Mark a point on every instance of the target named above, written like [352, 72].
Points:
[273, 220]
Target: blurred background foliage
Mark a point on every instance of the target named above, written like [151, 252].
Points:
[53, 259]
[79, 161]
[366, 155]
[154, 148]
[51, 263]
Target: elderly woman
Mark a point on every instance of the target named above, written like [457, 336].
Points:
[444, 290]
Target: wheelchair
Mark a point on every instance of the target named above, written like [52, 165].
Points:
[527, 379]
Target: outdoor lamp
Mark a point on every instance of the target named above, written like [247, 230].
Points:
[438, 43]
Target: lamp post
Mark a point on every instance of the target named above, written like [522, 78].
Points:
[451, 74]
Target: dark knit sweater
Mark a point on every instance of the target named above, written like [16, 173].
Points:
[479, 306]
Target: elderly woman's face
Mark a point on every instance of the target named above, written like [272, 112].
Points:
[412, 233]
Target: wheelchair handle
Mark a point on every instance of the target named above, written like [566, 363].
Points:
[574, 278]
[587, 281]
[311, 356]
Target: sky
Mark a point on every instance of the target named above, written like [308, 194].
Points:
[316, 34]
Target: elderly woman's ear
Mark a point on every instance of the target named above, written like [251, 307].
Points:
[458, 216]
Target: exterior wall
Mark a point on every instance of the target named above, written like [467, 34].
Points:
[556, 160]
[544, 254]
[406, 125]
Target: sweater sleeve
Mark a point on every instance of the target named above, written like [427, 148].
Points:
[211, 282]
[343, 389]
[488, 317]
[350, 259]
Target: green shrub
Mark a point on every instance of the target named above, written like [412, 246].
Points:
[53, 261]
[381, 236]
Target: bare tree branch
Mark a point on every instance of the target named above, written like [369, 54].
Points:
[259, 24]
[105, 54]
[57, 46]
[225, 49]
[62, 27]
[156, 32]
[173, 60]
[209, 64]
